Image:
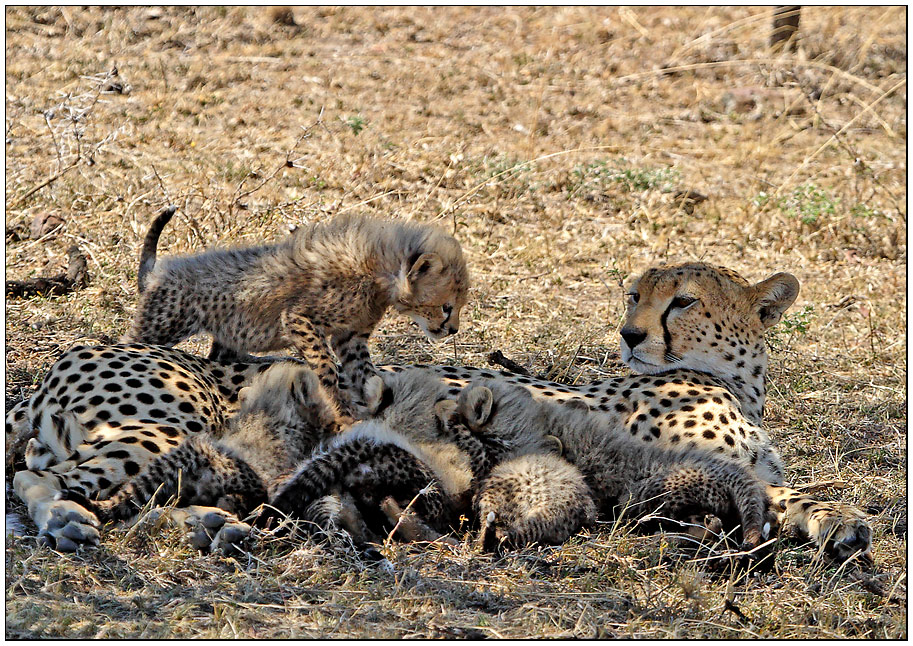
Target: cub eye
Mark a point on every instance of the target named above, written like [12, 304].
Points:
[682, 302]
[634, 296]
[447, 309]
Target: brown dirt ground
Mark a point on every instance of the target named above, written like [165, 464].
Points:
[554, 143]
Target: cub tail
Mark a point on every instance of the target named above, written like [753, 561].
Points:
[150, 245]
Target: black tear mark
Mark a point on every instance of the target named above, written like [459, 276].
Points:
[667, 337]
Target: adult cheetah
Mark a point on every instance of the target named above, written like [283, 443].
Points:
[694, 335]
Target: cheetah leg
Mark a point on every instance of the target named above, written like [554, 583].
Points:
[352, 351]
[313, 347]
[195, 472]
[63, 524]
[336, 513]
[364, 468]
[715, 488]
[19, 430]
[840, 529]
[409, 526]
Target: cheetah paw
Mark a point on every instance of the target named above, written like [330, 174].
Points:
[842, 530]
[67, 526]
[211, 529]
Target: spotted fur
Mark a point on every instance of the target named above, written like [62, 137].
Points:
[620, 474]
[706, 395]
[328, 284]
[285, 413]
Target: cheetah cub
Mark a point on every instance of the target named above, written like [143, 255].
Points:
[327, 284]
[524, 493]
[284, 414]
[624, 476]
[403, 452]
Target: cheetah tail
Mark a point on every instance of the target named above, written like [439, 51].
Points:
[150, 245]
[488, 539]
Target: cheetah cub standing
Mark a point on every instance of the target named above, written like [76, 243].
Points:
[284, 414]
[329, 281]
[620, 474]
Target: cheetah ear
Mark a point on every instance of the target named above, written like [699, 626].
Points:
[476, 405]
[427, 264]
[774, 296]
[377, 395]
[243, 394]
[444, 409]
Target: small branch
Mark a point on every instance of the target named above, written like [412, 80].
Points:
[76, 277]
[50, 180]
[497, 358]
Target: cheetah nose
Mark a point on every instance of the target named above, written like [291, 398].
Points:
[451, 330]
[633, 336]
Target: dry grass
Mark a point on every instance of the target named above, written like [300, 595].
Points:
[553, 142]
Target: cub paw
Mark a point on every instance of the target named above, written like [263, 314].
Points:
[211, 529]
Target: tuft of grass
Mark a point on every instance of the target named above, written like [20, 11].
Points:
[356, 123]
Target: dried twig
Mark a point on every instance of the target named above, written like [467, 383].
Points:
[497, 358]
[76, 277]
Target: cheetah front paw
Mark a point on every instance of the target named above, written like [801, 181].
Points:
[842, 530]
[66, 525]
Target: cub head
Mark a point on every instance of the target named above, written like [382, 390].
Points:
[505, 417]
[290, 394]
[433, 286]
[702, 317]
[407, 400]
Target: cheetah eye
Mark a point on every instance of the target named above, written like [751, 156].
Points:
[681, 302]
[447, 310]
[634, 296]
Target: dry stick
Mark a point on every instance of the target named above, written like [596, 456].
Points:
[288, 163]
[79, 154]
[837, 134]
[429, 193]
[426, 489]
[53, 178]
[497, 358]
[367, 201]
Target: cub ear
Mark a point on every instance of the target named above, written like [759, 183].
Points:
[428, 264]
[377, 395]
[475, 405]
[774, 296]
[243, 394]
[305, 386]
[444, 409]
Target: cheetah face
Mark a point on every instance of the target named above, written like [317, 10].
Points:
[437, 292]
[701, 317]
[290, 394]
